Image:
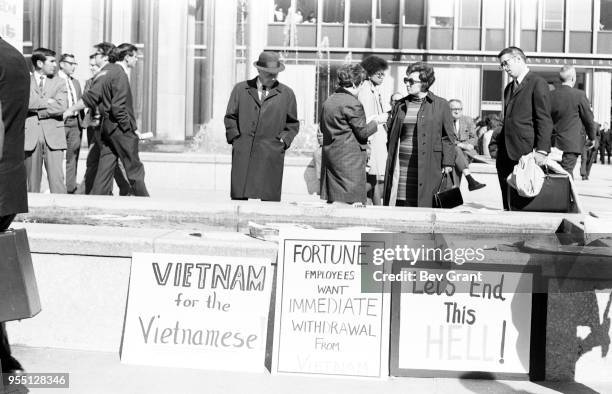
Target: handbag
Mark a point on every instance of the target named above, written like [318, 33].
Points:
[448, 198]
[19, 297]
[555, 196]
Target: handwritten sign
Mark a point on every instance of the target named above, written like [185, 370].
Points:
[11, 22]
[324, 323]
[462, 321]
[197, 311]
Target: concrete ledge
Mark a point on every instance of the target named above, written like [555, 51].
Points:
[235, 215]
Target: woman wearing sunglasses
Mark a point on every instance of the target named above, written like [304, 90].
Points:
[420, 147]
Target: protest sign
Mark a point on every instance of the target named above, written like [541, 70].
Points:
[324, 324]
[192, 311]
[448, 322]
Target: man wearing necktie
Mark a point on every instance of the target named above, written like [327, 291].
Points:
[45, 138]
[527, 123]
[260, 124]
[72, 124]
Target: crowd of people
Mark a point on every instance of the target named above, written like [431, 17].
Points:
[59, 110]
[399, 154]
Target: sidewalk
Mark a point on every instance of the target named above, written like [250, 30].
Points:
[98, 372]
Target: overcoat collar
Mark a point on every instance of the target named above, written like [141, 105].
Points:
[252, 89]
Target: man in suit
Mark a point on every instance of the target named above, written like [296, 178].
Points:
[572, 117]
[110, 92]
[260, 124]
[73, 123]
[45, 138]
[465, 141]
[527, 123]
[14, 95]
[92, 122]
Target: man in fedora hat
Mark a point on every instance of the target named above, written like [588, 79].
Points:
[260, 124]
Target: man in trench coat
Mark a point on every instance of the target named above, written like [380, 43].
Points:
[260, 124]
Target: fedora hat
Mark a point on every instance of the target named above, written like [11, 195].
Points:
[269, 62]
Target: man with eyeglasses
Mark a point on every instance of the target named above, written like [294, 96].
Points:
[527, 123]
[465, 140]
[74, 123]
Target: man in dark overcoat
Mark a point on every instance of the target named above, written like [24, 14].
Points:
[14, 97]
[260, 124]
[572, 117]
[527, 123]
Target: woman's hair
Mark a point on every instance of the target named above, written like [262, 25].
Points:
[374, 64]
[350, 75]
[426, 74]
[492, 121]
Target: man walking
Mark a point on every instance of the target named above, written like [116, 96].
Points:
[110, 92]
[73, 123]
[260, 123]
[45, 138]
[527, 123]
[572, 117]
[14, 96]
[465, 142]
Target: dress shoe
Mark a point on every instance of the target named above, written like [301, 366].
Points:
[585, 178]
[473, 184]
[11, 365]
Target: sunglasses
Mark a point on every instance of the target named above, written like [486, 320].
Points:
[411, 81]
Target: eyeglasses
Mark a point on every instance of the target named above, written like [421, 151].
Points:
[411, 81]
[506, 62]
[71, 63]
[457, 109]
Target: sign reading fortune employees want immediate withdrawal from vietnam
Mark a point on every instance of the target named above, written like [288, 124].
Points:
[191, 311]
[324, 323]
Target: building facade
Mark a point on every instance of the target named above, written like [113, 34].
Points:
[194, 51]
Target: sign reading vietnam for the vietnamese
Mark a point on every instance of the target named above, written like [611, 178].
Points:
[467, 321]
[324, 323]
[197, 311]
[11, 22]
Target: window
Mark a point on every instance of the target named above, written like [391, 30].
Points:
[387, 11]
[469, 13]
[361, 11]
[492, 85]
[333, 11]
[579, 15]
[494, 14]
[529, 14]
[441, 13]
[305, 11]
[605, 21]
[414, 12]
[553, 14]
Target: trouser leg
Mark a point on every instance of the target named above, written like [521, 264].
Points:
[568, 162]
[33, 163]
[73, 142]
[53, 159]
[126, 148]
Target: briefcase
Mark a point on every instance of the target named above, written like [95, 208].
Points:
[18, 291]
[450, 197]
[555, 196]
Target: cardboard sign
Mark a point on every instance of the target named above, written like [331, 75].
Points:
[197, 312]
[462, 322]
[324, 324]
[11, 22]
